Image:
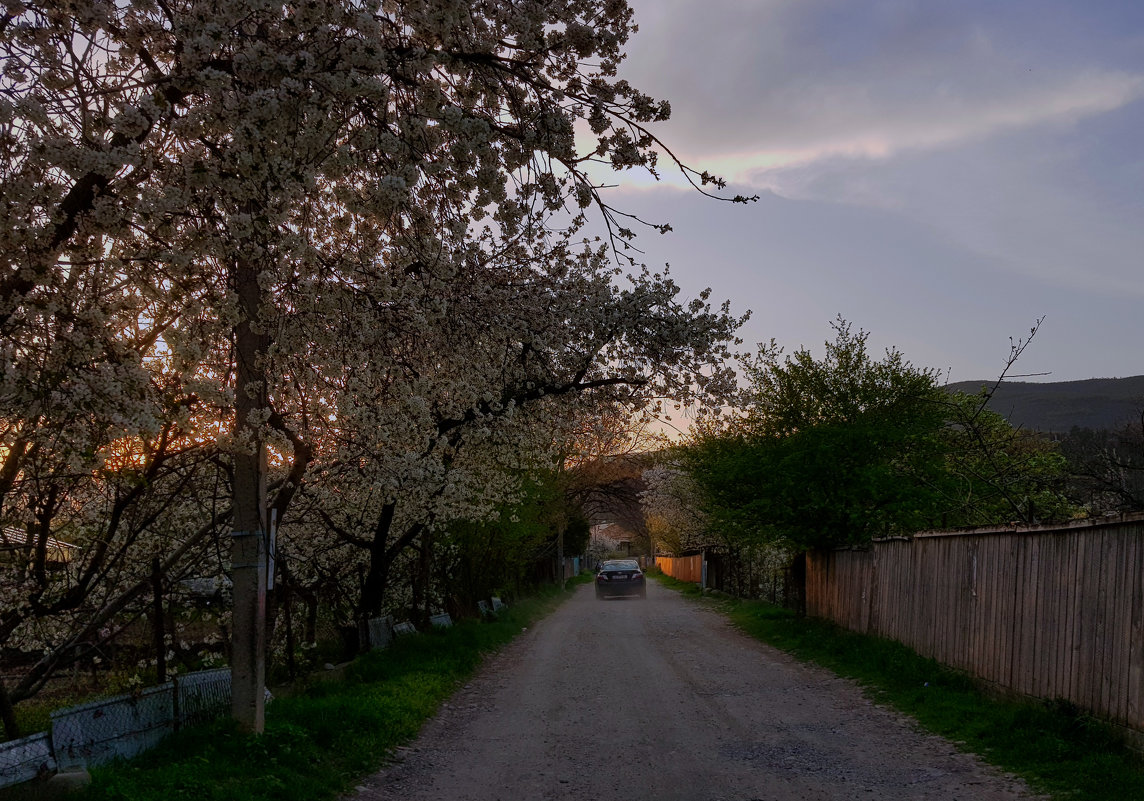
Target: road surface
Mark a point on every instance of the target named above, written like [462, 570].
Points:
[662, 699]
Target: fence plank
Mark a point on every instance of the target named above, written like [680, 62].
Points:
[1087, 629]
[996, 560]
[1077, 656]
[1060, 612]
[987, 656]
[1114, 627]
[917, 594]
[1043, 634]
[1061, 598]
[943, 624]
[1135, 684]
[1027, 612]
[1113, 578]
[1007, 624]
[963, 607]
[1097, 576]
[1002, 621]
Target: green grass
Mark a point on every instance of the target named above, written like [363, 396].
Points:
[1054, 747]
[319, 742]
[35, 715]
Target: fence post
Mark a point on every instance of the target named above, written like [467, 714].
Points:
[176, 714]
[160, 641]
[288, 619]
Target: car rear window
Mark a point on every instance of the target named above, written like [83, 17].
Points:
[621, 566]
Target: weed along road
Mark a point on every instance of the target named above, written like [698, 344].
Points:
[663, 699]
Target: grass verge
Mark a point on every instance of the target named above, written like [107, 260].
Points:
[319, 742]
[1052, 745]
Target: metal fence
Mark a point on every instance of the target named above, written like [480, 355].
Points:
[24, 760]
[202, 696]
[118, 727]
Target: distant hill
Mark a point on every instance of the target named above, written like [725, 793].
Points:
[1096, 403]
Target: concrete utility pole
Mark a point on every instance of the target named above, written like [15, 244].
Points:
[248, 630]
[248, 548]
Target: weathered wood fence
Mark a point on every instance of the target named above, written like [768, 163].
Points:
[684, 568]
[1051, 612]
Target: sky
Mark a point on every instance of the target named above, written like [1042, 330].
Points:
[940, 174]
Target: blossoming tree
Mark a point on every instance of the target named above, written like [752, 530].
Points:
[353, 223]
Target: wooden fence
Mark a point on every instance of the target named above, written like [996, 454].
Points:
[684, 568]
[1051, 612]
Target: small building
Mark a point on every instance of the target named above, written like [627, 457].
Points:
[608, 538]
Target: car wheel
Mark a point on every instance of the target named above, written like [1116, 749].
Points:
[643, 593]
[599, 595]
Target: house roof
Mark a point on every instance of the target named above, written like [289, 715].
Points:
[16, 539]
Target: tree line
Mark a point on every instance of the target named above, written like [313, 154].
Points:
[846, 447]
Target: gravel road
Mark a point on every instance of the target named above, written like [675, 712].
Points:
[663, 699]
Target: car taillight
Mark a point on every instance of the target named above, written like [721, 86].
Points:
[637, 576]
[601, 577]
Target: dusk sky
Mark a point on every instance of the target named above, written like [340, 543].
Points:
[941, 174]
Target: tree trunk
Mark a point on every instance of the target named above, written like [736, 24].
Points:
[288, 622]
[381, 559]
[377, 575]
[423, 611]
[8, 714]
[311, 633]
[417, 589]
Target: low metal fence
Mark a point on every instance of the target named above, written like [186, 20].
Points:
[97, 732]
[25, 759]
[118, 727]
[202, 696]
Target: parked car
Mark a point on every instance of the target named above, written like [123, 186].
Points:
[620, 577]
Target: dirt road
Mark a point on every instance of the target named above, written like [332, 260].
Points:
[662, 699]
